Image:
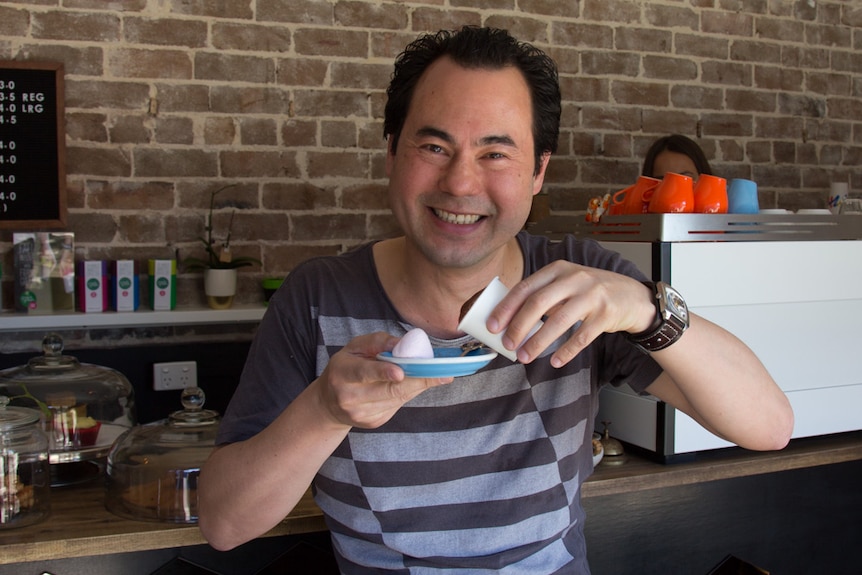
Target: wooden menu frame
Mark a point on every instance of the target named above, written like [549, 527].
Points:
[32, 146]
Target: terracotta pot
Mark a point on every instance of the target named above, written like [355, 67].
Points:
[220, 287]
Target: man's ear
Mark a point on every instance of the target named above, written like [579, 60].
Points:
[539, 178]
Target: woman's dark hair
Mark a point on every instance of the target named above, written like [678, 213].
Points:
[681, 145]
[483, 48]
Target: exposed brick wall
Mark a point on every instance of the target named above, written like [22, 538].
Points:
[167, 100]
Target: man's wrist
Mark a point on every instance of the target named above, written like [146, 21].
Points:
[672, 319]
[655, 323]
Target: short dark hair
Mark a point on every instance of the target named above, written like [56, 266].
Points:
[681, 145]
[475, 47]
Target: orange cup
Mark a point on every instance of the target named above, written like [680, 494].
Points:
[631, 200]
[616, 209]
[710, 195]
[674, 195]
[618, 201]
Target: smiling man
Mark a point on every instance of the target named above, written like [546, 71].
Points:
[481, 473]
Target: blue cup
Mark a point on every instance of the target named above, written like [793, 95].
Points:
[742, 197]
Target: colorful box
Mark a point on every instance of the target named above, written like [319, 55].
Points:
[125, 285]
[163, 284]
[44, 271]
[92, 286]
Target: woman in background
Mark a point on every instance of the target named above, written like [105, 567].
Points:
[675, 153]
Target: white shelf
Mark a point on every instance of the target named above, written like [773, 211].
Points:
[140, 318]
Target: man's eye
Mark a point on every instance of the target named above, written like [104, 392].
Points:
[434, 148]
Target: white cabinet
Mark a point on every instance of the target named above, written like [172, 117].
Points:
[790, 287]
[797, 304]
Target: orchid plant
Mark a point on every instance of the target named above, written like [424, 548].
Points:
[218, 257]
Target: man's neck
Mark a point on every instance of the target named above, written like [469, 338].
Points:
[429, 296]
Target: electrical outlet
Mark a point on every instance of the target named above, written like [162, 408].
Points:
[175, 375]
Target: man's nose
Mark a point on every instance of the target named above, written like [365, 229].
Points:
[461, 176]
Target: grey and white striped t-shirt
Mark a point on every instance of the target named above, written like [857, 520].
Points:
[479, 476]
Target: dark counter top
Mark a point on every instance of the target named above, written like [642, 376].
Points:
[638, 473]
[80, 525]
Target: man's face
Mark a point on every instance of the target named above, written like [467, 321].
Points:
[461, 182]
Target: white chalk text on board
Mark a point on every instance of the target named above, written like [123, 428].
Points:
[32, 145]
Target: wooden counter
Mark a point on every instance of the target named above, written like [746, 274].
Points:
[80, 525]
[637, 474]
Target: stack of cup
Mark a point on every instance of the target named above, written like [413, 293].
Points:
[631, 200]
[710, 195]
[742, 197]
[674, 195]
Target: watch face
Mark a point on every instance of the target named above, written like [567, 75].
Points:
[676, 304]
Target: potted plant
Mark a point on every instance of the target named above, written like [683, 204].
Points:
[219, 267]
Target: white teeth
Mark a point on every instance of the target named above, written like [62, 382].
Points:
[451, 218]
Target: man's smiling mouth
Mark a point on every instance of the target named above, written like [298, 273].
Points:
[461, 219]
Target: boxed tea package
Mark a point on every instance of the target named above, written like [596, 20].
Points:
[125, 285]
[163, 284]
[44, 271]
[92, 286]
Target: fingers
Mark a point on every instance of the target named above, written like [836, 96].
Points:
[568, 298]
[582, 337]
[370, 405]
[361, 391]
[526, 302]
[546, 296]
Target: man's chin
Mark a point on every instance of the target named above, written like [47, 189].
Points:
[461, 257]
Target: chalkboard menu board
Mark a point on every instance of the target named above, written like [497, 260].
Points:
[32, 146]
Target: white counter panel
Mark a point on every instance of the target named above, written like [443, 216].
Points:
[804, 345]
[797, 304]
[737, 273]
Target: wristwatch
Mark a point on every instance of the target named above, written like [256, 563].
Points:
[671, 321]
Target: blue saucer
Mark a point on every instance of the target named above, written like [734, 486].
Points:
[447, 362]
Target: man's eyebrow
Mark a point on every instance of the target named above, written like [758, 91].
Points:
[484, 141]
[428, 131]
[503, 139]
